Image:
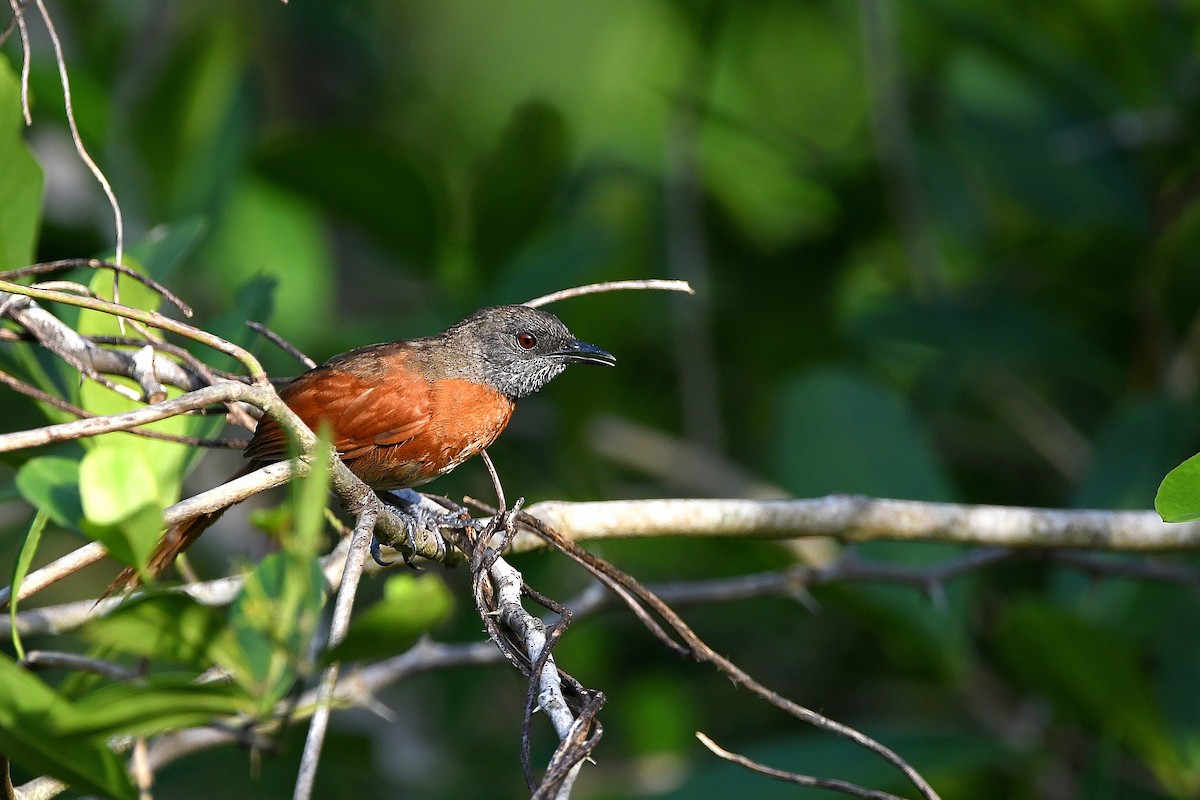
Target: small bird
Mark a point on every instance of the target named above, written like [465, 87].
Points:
[406, 412]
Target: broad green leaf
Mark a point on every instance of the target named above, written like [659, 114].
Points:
[27, 710]
[1178, 498]
[121, 501]
[411, 605]
[115, 482]
[51, 484]
[272, 620]
[20, 568]
[132, 540]
[171, 628]
[20, 179]
[152, 705]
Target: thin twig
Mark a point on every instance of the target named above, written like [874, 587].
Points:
[491, 469]
[359, 545]
[280, 342]
[637, 595]
[18, 9]
[53, 659]
[152, 318]
[78, 140]
[610, 286]
[62, 405]
[95, 263]
[833, 785]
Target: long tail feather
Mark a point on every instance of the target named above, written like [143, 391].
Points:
[179, 537]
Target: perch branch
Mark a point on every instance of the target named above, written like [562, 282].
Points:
[855, 518]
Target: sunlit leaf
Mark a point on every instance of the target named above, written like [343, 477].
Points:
[154, 704]
[28, 708]
[1178, 498]
[168, 628]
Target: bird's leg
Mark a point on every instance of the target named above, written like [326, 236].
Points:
[416, 517]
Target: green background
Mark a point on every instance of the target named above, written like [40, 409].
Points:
[945, 251]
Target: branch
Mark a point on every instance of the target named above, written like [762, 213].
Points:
[610, 286]
[359, 543]
[856, 518]
[791, 777]
[151, 318]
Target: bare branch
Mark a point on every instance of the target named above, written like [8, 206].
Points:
[152, 318]
[95, 263]
[855, 518]
[644, 603]
[78, 140]
[18, 9]
[610, 286]
[283, 344]
[852, 789]
[62, 405]
[48, 659]
[222, 392]
[81, 353]
[359, 544]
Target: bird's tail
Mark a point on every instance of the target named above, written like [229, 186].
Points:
[178, 537]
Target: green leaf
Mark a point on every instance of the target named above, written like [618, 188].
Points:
[20, 569]
[51, 484]
[152, 705]
[20, 179]
[121, 501]
[312, 498]
[27, 710]
[169, 627]
[272, 620]
[114, 483]
[1178, 498]
[410, 606]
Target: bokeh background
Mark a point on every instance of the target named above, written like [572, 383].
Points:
[943, 251]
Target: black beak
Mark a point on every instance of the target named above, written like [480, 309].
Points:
[578, 352]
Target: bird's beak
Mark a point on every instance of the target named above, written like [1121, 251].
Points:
[578, 352]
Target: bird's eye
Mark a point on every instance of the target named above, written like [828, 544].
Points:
[527, 340]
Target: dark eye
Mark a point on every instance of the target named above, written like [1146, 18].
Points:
[527, 340]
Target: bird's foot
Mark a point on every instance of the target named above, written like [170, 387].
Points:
[416, 516]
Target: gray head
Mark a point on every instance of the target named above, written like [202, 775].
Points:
[519, 349]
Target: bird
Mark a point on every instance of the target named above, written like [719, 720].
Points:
[403, 413]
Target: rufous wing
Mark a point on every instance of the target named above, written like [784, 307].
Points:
[361, 412]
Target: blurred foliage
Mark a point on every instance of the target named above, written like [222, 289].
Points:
[950, 253]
